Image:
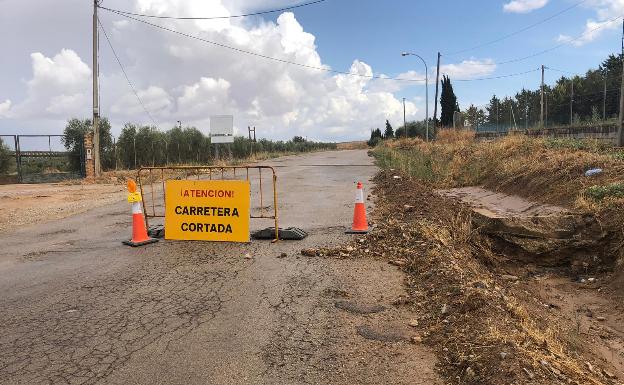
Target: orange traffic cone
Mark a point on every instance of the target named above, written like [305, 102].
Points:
[360, 224]
[139, 232]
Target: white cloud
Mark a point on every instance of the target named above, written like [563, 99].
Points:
[59, 87]
[524, 6]
[5, 108]
[188, 80]
[155, 99]
[605, 10]
[469, 69]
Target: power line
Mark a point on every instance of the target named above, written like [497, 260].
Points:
[261, 55]
[215, 17]
[568, 41]
[562, 71]
[498, 77]
[126, 75]
[519, 31]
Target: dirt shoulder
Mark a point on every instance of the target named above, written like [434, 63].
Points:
[490, 320]
[27, 204]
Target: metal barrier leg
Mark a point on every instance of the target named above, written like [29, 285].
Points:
[275, 207]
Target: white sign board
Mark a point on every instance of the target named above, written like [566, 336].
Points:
[222, 129]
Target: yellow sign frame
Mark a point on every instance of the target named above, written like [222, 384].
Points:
[207, 210]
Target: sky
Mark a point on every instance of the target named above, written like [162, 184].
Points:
[277, 74]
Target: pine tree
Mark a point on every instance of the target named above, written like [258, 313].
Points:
[389, 133]
[448, 102]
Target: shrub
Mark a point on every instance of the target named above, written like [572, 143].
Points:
[5, 158]
[598, 193]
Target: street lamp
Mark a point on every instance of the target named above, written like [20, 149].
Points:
[426, 91]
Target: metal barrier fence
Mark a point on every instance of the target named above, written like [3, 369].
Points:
[158, 176]
[42, 162]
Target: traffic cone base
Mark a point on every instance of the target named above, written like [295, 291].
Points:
[137, 244]
[360, 224]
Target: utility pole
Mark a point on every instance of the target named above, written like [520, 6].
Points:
[404, 119]
[513, 117]
[546, 123]
[620, 136]
[435, 107]
[96, 95]
[542, 100]
[604, 97]
[497, 129]
[571, 100]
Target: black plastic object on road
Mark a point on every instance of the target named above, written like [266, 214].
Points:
[290, 234]
[157, 231]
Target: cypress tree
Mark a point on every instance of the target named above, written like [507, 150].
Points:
[448, 102]
[389, 133]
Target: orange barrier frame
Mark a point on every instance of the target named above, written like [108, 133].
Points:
[209, 172]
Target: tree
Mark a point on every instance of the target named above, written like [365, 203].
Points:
[475, 117]
[73, 140]
[375, 137]
[596, 98]
[5, 158]
[389, 133]
[448, 102]
[416, 129]
[298, 139]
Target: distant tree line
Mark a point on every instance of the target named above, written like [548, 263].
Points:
[415, 129]
[139, 145]
[591, 98]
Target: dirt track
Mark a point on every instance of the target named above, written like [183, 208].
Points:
[78, 307]
[27, 204]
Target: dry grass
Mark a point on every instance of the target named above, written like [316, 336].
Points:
[548, 170]
[356, 145]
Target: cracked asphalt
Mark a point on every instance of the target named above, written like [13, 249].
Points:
[78, 307]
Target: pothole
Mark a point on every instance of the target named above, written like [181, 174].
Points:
[375, 334]
[358, 308]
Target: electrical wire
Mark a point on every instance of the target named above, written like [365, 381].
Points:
[125, 74]
[239, 50]
[498, 77]
[568, 41]
[214, 17]
[518, 31]
[562, 71]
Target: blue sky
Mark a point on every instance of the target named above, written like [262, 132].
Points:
[47, 71]
[377, 32]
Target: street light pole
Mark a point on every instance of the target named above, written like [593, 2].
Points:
[426, 91]
[404, 121]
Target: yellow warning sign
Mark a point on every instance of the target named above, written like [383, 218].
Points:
[207, 210]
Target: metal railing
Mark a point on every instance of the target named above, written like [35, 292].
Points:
[159, 175]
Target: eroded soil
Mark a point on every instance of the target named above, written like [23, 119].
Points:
[493, 318]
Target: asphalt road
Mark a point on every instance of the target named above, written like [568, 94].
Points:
[80, 308]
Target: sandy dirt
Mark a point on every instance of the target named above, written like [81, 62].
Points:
[499, 204]
[490, 317]
[27, 204]
[81, 308]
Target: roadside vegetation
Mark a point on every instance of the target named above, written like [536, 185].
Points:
[548, 170]
[481, 306]
[147, 146]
